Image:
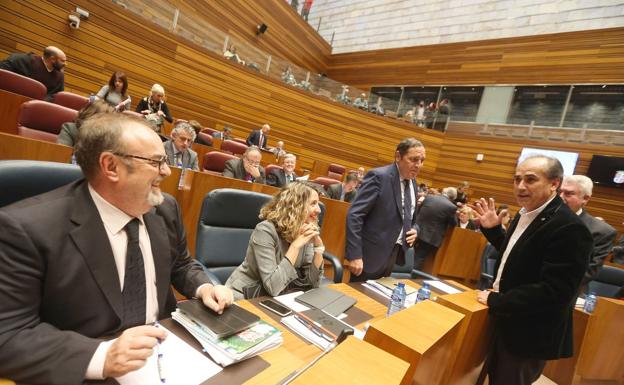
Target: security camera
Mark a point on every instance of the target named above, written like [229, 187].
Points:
[74, 21]
[83, 13]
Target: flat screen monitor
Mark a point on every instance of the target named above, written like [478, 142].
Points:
[607, 170]
[567, 159]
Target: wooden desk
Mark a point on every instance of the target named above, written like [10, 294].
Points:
[9, 110]
[19, 147]
[459, 256]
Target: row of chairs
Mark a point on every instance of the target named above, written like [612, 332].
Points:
[22, 85]
[227, 217]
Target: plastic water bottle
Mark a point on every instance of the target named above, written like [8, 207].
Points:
[423, 293]
[181, 180]
[590, 303]
[397, 299]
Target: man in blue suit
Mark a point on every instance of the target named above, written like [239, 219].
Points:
[381, 222]
[259, 137]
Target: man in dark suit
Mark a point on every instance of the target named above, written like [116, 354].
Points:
[259, 137]
[226, 134]
[178, 148]
[346, 190]
[248, 168]
[436, 214]
[543, 257]
[381, 222]
[93, 259]
[282, 177]
[47, 69]
[576, 191]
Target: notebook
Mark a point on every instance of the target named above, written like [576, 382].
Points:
[329, 300]
[233, 319]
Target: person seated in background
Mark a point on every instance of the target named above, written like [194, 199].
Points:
[230, 54]
[344, 96]
[226, 134]
[155, 108]
[259, 137]
[115, 92]
[378, 108]
[178, 148]
[409, 115]
[285, 251]
[344, 191]
[465, 217]
[361, 102]
[462, 195]
[506, 217]
[198, 128]
[421, 114]
[288, 77]
[47, 69]
[248, 168]
[361, 171]
[284, 176]
[94, 259]
[70, 130]
[278, 150]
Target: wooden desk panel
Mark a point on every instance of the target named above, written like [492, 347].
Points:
[459, 256]
[9, 110]
[19, 147]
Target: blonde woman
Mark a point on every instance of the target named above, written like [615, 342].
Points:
[285, 251]
[466, 218]
[155, 108]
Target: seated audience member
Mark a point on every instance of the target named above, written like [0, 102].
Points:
[178, 148]
[94, 259]
[506, 218]
[70, 130]
[288, 77]
[344, 191]
[462, 196]
[284, 176]
[361, 102]
[618, 251]
[259, 137]
[465, 217]
[248, 168]
[409, 115]
[279, 150]
[360, 172]
[115, 92]
[379, 109]
[198, 128]
[421, 114]
[226, 134]
[47, 69]
[285, 251]
[230, 54]
[155, 108]
[344, 97]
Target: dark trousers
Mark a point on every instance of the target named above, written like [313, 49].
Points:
[421, 251]
[386, 270]
[506, 368]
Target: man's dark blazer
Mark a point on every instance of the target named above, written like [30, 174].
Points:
[603, 235]
[470, 226]
[277, 178]
[375, 218]
[435, 215]
[540, 282]
[234, 168]
[254, 138]
[334, 191]
[189, 157]
[59, 286]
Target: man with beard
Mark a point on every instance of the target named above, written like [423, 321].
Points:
[47, 69]
[95, 258]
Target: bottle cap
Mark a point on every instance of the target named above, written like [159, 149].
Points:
[401, 284]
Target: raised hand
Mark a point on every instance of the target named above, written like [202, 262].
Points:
[485, 213]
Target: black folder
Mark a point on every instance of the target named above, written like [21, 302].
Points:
[329, 300]
[233, 319]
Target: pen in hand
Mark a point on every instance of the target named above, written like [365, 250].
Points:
[159, 358]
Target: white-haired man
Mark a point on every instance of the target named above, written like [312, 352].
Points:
[576, 191]
[178, 148]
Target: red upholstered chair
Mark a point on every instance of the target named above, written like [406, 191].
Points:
[70, 100]
[233, 147]
[325, 182]
[206, 138]
[215, 161]
[240, 140]
[209, 130]
[42, 120]
[16, 83]
[336, 171]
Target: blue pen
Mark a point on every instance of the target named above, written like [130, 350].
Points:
[159, 358]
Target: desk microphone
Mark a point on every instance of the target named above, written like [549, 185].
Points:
[297, 373]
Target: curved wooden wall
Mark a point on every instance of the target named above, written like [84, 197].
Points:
[563, 58]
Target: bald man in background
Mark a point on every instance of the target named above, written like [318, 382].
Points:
[47, 69]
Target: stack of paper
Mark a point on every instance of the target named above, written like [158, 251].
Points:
[410, 299]
[228, 350]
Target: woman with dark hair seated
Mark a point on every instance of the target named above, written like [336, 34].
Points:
[115, 92]
[285, 251]
[69, 130]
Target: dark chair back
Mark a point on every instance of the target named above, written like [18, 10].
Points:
[70, 100]
[488, 264]
[608, 282]
[205, 138]
[325, 182]
[405, 271]
[209, 130]
[336, 171]
[21, 179]
[43, 116]
[18, 84]
[215, 161]
[226, 220]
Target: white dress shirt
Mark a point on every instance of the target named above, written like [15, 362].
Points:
[526, 218]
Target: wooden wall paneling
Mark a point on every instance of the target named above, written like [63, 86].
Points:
[595, 56]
